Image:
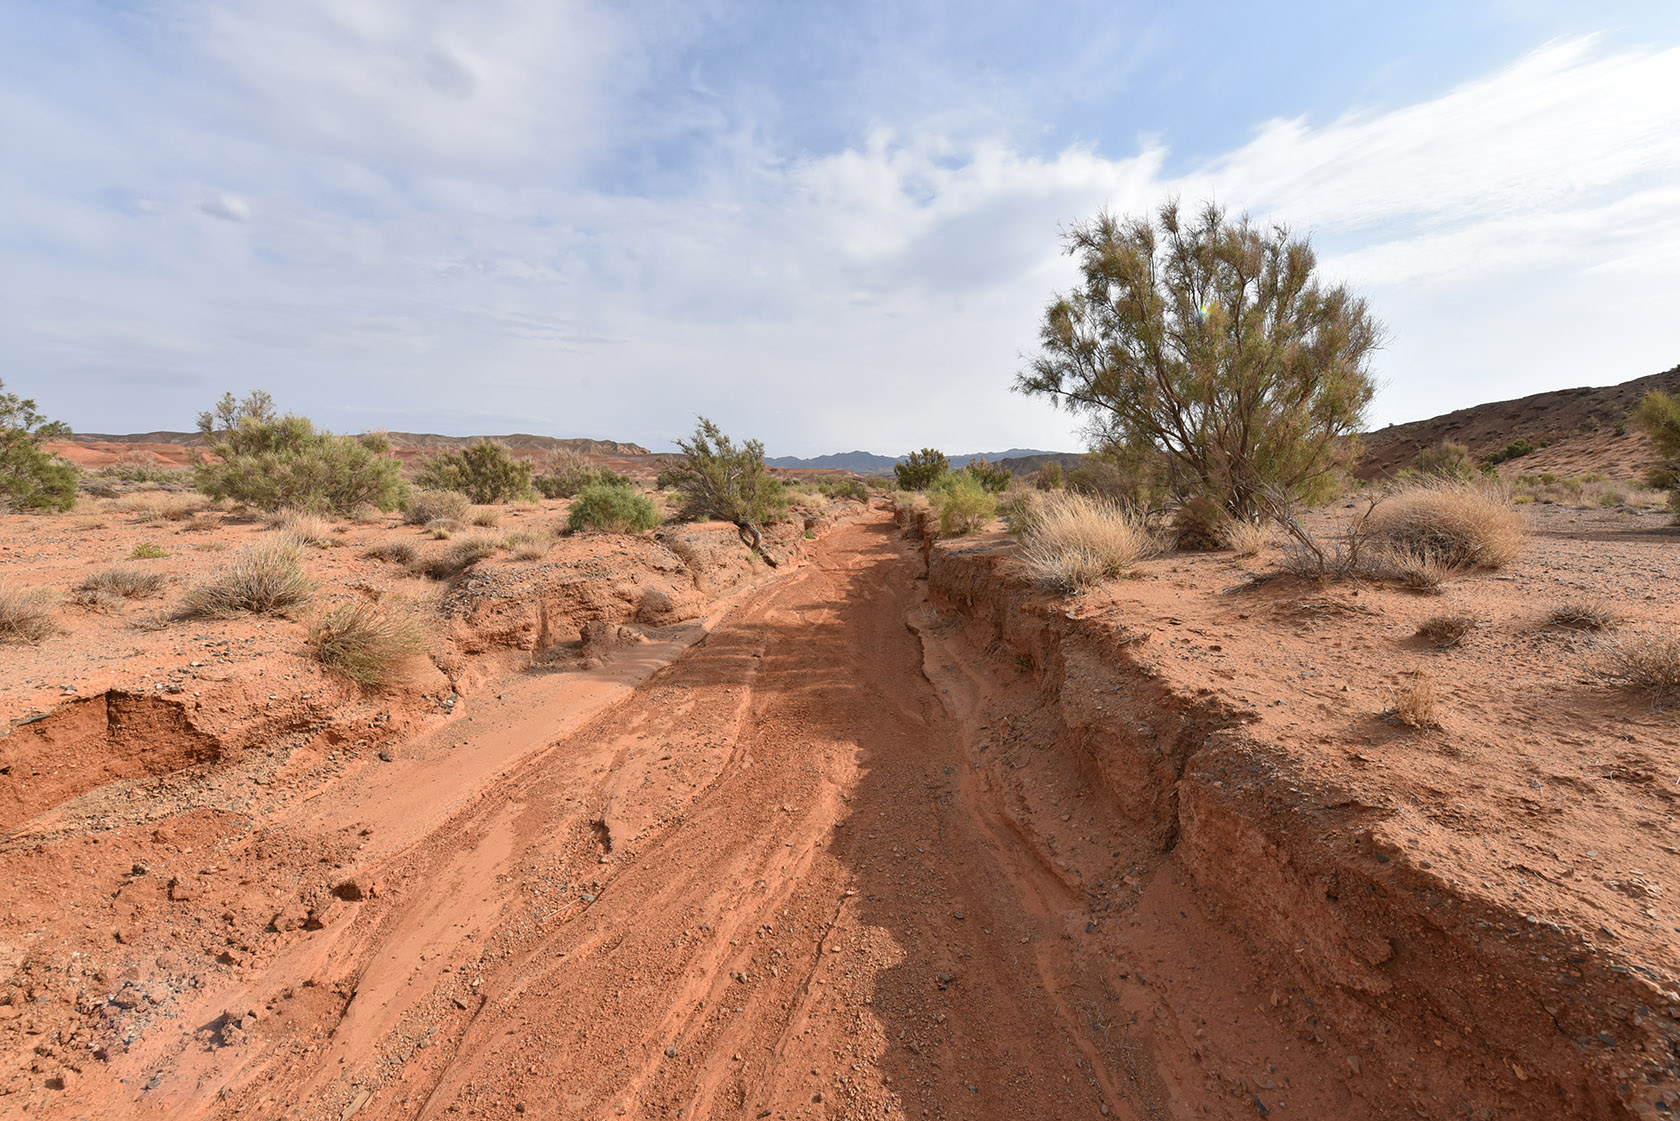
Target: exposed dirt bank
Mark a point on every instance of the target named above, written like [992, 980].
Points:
[1468, 922]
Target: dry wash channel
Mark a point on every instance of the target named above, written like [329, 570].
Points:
[888, 842]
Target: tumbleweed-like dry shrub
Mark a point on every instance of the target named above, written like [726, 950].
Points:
[304, 526]
[1648, 661]
[263, 579]
[1244, 538]
[159, 505]
[396, 552]
[1412, 702]
[527, 546]
[1446, 631]
[128, 581]
[457, 559]
[1074, 541]
[1457, 526]
[1582, 615]
[368, 643]
[26, 614]
[426, 506]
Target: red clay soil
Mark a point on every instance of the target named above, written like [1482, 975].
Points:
[891, 834]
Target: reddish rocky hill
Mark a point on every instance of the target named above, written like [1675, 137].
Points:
[1581, 430]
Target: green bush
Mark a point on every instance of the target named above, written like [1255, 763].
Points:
[994, 478]
[486, 472]
[617, 509]
[270, 461]
[1516, 449]
[963, 503]
[922, 469]
[1049, 476]
[1659, 415]
[30, 478]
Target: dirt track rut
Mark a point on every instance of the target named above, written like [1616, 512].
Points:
[760, 886]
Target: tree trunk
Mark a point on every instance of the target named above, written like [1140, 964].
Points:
[755, 540]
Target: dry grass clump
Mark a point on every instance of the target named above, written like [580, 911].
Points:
[1072, 542]
[427, 506]
[126, 581]
[1582, 615]
[263, 579]
[442, 529]
[159, 505]
[457, 559]
[1456, 526]
[486, 517]
[202, 523]
[1446, 631]
[396, 552]
[365, 642]
[26, 615]
[1412, 702]
[1648, 662]
[527, 546]
[1243, 538]
[303, 526]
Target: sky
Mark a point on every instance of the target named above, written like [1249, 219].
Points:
[828, 226]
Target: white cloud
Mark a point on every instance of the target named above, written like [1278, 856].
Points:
[440, 245]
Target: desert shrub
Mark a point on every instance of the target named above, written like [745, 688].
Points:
[1582, 615]
[161, 506]
[304, 527]
[268, 461]
[1457, 525]
[1244, 538]
[1516, 449]
[26, 615]
[1445, 460]
[486, 471]
[844, 488]
[32, 478]
[263, 579]
[1208, 351]
[1446, 631]
[140, 466]
[1049, 476]
[457, 558]
[719, 479]
[1648, 662]
[202, 523]
[963, 503]
[1412, 702]
[566, 473]
[394, 552]
[1659, 415]
[1199, 524]
[442, 529]
[1421, 571]
[365, 642]
[1072, 541]
[616, 509]
[127, 581]
[147, 551]
[921, 469]
[487, 517]
[995, 479]
[527, 546]
[424, 506]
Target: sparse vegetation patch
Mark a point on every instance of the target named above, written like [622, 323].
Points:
[366, 642]
[264, 579]
[26, 615]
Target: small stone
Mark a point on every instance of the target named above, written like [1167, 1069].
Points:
[387, 755]
[671, 1051]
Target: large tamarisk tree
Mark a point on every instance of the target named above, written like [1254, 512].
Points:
[1208, 350]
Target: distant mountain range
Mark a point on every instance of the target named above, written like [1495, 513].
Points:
[868, 463]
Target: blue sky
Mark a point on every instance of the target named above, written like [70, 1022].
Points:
[826, 225]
